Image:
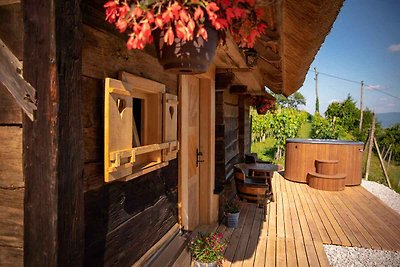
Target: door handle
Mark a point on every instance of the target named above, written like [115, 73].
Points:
[198, 155]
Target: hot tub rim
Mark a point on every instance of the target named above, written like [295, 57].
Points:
[323, 141]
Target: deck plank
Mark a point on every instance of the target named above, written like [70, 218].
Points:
[324, 217]
[302, 219]
[233, 242]
[301, 254]
[244, 237]
[255, 236]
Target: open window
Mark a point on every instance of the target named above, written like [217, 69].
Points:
[140, 127]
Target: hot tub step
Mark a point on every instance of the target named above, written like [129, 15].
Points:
[328, 167]
[327, 182]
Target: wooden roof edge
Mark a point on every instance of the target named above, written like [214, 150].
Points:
[322, 15]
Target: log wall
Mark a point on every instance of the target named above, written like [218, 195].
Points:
[122, 219]
[11, 177]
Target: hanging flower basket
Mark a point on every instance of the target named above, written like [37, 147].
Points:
[186, 32]
[262, 104]
[186, 57]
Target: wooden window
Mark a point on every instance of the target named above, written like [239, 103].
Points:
[140, 127]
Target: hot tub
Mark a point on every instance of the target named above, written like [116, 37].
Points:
[301, 155]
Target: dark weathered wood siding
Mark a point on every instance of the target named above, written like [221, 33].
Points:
[232, 130]
[122, 219]
[11, 178]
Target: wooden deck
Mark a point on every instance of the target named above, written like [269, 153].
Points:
[302, 219]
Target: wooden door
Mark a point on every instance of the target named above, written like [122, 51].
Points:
[193, 149]
[197, 203]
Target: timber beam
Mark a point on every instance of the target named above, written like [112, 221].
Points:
[11, 77]
[52, 143]
[238, 89]
[223, 80]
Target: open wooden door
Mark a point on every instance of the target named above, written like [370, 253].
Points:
[197, 154]
[190, 183]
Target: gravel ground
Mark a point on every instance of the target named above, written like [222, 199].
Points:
[359, 257]
[387, 195]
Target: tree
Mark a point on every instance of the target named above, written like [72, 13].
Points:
[293, 101]
[347, 113]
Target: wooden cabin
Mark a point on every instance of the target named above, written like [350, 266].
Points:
[74, 191]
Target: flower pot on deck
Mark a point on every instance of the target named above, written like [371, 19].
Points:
[187, 57]
[203, 264]
[232, 219]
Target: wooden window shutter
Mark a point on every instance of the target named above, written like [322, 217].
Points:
[125, 157]
[170, 122]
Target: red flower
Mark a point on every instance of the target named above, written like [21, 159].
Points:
[203, 33]
[169, 36]
[198, 14]
[121, 24]
[180, 19]
[111, 11]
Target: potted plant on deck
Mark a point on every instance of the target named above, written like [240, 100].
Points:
[207, 250]
[186, 32]
[232, 211]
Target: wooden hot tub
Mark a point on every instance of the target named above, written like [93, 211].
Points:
[301, 155]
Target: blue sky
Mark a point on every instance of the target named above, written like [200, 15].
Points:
[364, 44]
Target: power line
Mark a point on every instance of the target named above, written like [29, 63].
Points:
[357, 82]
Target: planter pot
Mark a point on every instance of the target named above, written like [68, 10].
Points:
[262, 111]
[190, 57]
[232, 219]
[203, 264]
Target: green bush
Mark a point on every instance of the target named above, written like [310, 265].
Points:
[325, 128]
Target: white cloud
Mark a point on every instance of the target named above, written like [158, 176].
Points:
[383, 99]
[394, 48]
[375, 87]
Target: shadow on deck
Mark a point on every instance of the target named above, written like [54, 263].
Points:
[302, 219]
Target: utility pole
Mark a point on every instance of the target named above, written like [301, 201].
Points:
[361, 105]
[316, 91]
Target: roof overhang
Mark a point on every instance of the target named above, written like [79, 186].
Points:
[296, 31]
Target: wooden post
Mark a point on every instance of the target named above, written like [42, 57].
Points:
[361, 105]
[382, 163]
[387, 152]
[370, 144]
[390, 158]
[52, 143]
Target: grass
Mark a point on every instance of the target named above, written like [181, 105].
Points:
[376, 172]
[305, 130]
[265, 149]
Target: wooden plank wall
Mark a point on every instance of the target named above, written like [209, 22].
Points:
[122, 219]
[11, 177]
[232, 132]
[244, 126]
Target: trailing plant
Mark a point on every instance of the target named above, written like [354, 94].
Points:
[232, 206]
[185, 19]
[208, 248]
[262, 104]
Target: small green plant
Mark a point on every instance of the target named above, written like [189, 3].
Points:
[208, 248]
[232, 206]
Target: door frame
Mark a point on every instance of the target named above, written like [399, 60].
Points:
[208, 202]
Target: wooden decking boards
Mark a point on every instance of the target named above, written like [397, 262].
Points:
[302, 219]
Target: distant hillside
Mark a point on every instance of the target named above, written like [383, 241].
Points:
[388, 119]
